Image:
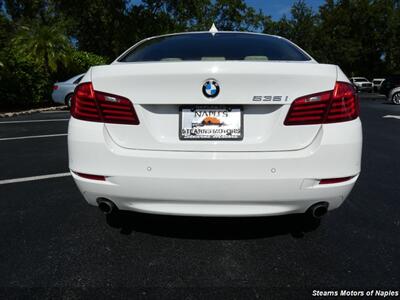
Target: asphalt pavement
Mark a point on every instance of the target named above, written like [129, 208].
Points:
[54, 245]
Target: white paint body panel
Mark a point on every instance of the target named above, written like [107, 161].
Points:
[180, 82]
[213, 183]
[274, 170]
[158, 89]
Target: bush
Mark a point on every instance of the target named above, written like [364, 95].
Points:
[82, 60]
[79, 62]
[25, 84]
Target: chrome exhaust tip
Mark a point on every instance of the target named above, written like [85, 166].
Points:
[318, 210]
[106, 206]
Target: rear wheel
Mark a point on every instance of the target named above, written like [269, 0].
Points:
[396, 98]
[68, 100]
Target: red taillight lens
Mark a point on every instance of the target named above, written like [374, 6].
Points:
[116, 109]
[55, 87]
[334, 180]
[84, 106]
[310, 109]
[91, 176]
[344, 105]
[90, 105]
[338, 105]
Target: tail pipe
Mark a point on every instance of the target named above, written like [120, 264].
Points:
[106, 206]
[318, 210]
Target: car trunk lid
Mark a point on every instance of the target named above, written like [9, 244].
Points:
[263, 90]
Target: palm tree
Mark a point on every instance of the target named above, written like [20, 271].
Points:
[45, 44]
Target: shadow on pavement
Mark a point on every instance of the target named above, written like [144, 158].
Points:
[212, 228]
[375, 96]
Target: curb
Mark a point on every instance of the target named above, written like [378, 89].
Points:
[30, 111]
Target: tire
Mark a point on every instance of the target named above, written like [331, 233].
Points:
[68, 100]
[396, 98]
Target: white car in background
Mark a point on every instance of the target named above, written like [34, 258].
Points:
[362, 84]
[63, 91]
[215, 124]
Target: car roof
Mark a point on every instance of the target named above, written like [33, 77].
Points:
[213, 32]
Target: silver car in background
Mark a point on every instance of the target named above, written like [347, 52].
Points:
[63, 91]
[362, 84]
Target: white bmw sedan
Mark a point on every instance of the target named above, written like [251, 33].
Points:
[215, 124]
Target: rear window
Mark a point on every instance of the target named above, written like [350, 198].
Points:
[78, 79]
[218, 46]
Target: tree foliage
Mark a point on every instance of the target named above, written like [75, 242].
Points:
[81, 61]
[46, 45]
[361, 36]
[23, 82]
[45, 40]
[98, 26]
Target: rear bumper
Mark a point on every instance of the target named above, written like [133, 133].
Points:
[216, 183]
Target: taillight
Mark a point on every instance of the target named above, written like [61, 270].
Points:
[91, 105]
[335, 180]
[344, 104]
[55, 87]
[310, 109]
[91, 176]
[84, 105]
[116, 109]
[339, 105]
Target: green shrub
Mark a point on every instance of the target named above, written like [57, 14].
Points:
[79, 62]
[82, 60]
[23, 83]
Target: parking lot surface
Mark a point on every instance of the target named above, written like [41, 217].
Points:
[52, 243]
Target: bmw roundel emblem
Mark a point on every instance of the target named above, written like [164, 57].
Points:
[210, 88]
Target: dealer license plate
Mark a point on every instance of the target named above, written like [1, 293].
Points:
[211, 123]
